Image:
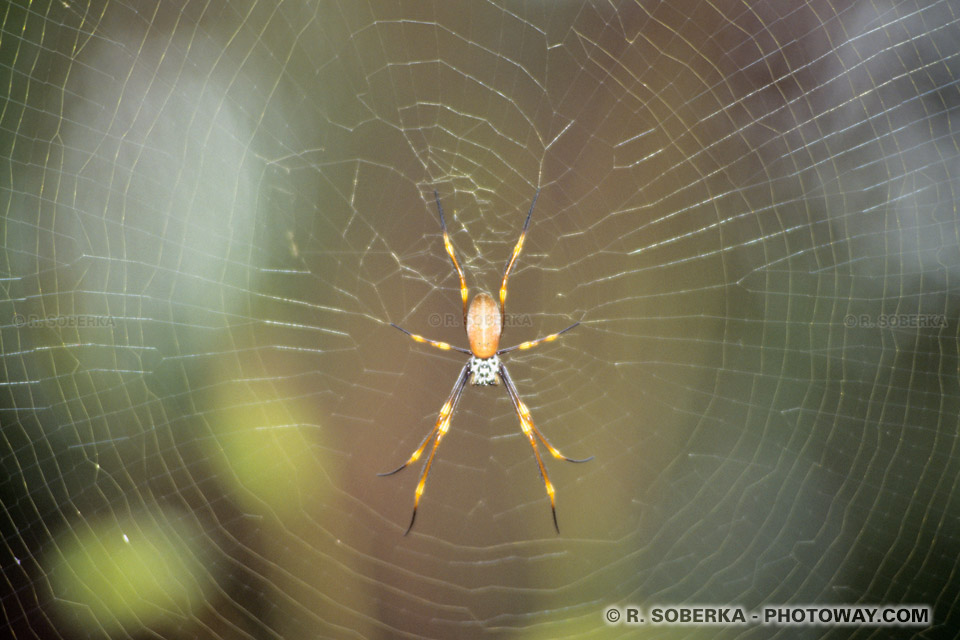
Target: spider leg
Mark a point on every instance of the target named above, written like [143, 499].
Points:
[554, 451]
[526, 425]
[524, 414]
[464, 293]
[527, 345]
[439, 430]
[513, 259]
[439, 345]
[532, 433]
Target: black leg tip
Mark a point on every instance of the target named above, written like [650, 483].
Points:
[411, 522]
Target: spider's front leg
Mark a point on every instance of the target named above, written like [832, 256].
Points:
[532, 433]
[439, 429]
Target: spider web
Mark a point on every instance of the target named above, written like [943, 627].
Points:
[213, 211]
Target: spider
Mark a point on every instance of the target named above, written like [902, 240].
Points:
[484, 323]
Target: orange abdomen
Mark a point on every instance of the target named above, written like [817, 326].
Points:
[483, 326]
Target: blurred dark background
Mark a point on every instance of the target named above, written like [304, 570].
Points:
[211, 212]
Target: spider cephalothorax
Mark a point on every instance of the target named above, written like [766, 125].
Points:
[484, 371]
[484, 321]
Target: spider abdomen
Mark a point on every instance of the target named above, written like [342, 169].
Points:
[484, 326]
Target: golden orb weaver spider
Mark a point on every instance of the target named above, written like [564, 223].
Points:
[484, 323]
